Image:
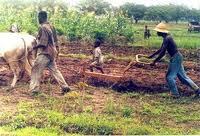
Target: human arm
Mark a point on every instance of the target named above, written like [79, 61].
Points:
[42, 39]
[155, 53]
[161, 53]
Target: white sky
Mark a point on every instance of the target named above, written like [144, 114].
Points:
[188, 3]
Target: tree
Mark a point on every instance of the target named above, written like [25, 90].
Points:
[97, 6]
[193, 15]
[133, 11]
[160, 13]
[170, 13]
[178, 12]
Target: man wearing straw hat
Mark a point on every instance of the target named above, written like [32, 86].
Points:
[175, 68]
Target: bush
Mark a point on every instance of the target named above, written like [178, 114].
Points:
[71, 23]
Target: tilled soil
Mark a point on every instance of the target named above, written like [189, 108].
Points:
[139, 77]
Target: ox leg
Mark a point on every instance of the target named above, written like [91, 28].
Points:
[16, 70]
[22, 70]
[27, 67]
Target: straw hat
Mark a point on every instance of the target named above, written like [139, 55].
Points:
[161, 27]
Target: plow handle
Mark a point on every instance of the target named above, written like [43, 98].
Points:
[129, 66]
[137, 59]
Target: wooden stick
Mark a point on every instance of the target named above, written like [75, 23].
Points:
[129, 66]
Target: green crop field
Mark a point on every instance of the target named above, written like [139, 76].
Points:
[114, 28]
[183, 38]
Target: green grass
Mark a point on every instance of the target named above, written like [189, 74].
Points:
[123, 114]
[182, 37]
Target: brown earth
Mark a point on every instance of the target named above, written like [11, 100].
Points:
[139, 77]
[143, 77]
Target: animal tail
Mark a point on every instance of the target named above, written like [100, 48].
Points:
[25, 48]
[35, 52]
[27, 64]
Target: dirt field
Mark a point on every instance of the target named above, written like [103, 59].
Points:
[140, 77]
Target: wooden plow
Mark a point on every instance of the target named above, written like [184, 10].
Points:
[115, 78]
[112, 78]
[104, 77]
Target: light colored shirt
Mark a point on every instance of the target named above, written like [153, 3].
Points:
[97, 55]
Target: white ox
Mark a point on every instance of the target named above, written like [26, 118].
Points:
[15, 50]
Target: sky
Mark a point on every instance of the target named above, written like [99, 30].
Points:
[189, 3]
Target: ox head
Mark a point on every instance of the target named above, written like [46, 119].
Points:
[14, 28]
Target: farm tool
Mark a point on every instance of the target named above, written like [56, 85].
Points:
[112, 77]
[114, 81]
[118, 78]
[111, 80]
[145, 61]
[103, 77]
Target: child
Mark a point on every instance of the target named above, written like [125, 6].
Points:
[97, 61]
[147, 33]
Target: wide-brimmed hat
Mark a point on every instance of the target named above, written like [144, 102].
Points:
[161, 27]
